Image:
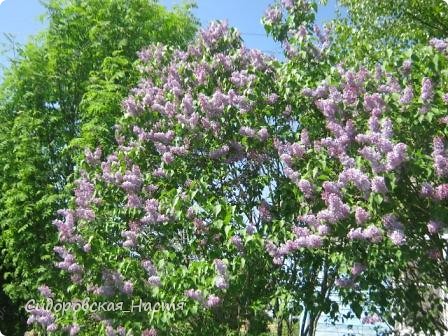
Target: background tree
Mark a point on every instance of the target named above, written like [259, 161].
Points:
[389, 28]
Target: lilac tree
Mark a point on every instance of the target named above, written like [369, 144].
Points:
[242, 186]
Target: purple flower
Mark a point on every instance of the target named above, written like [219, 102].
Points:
[237, 241]
[133, 202]
[397, 237]
[263, 134]
[221, 282]
[216, 31]
[52, 327]
[195, 295]
[128, 288]
[167, 157]
[323, 229]
[306, 187]
[434, 226]
[74, 329]
[374, 103]
[361, 216]
[357, 269]
[371, 319]
[264, 210]
[440, 157]
[441, 192]
[212, 301]
[288, 4]
[344, 282]
[314, 241]
[337, 210]
[397, 156]
[149, 332]
[427, 89]
[93, 158]
[250, 229]
[391, 222]
[445, 98]
[272, 15]
[131, 238]
[407, 96]
[427, 190]
[373, 234]
[406, 67]
[272, 98]
[247, 131]
[154, 280]
[221, 267]
[46, 291]
[357, 177]
[439, 44]
[379, 185]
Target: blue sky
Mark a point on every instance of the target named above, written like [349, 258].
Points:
[20, 19]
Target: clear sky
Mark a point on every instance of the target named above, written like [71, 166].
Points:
[20, 19]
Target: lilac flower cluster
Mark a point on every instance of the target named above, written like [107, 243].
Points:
[440, 45]
[337, 210]
[264, 211]
[45, 291]
[130, 238]
[154, 279]
[438, 193]
[304, 239]
[222, 277]
[371, 319]
[93, 158]
[149, 332]
[73, 329]
[379, 185]
[84, 198]
[371, 234]
[344, 282]
[69, 264]
[242, 78]
[358, 178]
[215, 32]
[357, 269]
[407, 96]
[274, 252]
[361, 215]
[197, 295]
[434, 227]
[396, 157]
[427, 90]
[395, 229]
[113, 281]
[237, 242]
[43, 317]
[440, 157]
[66, 228]
[273, 15]
[306, 187]
[152, 213]
[110, 331]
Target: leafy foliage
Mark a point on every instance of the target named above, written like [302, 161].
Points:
[45, 103]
